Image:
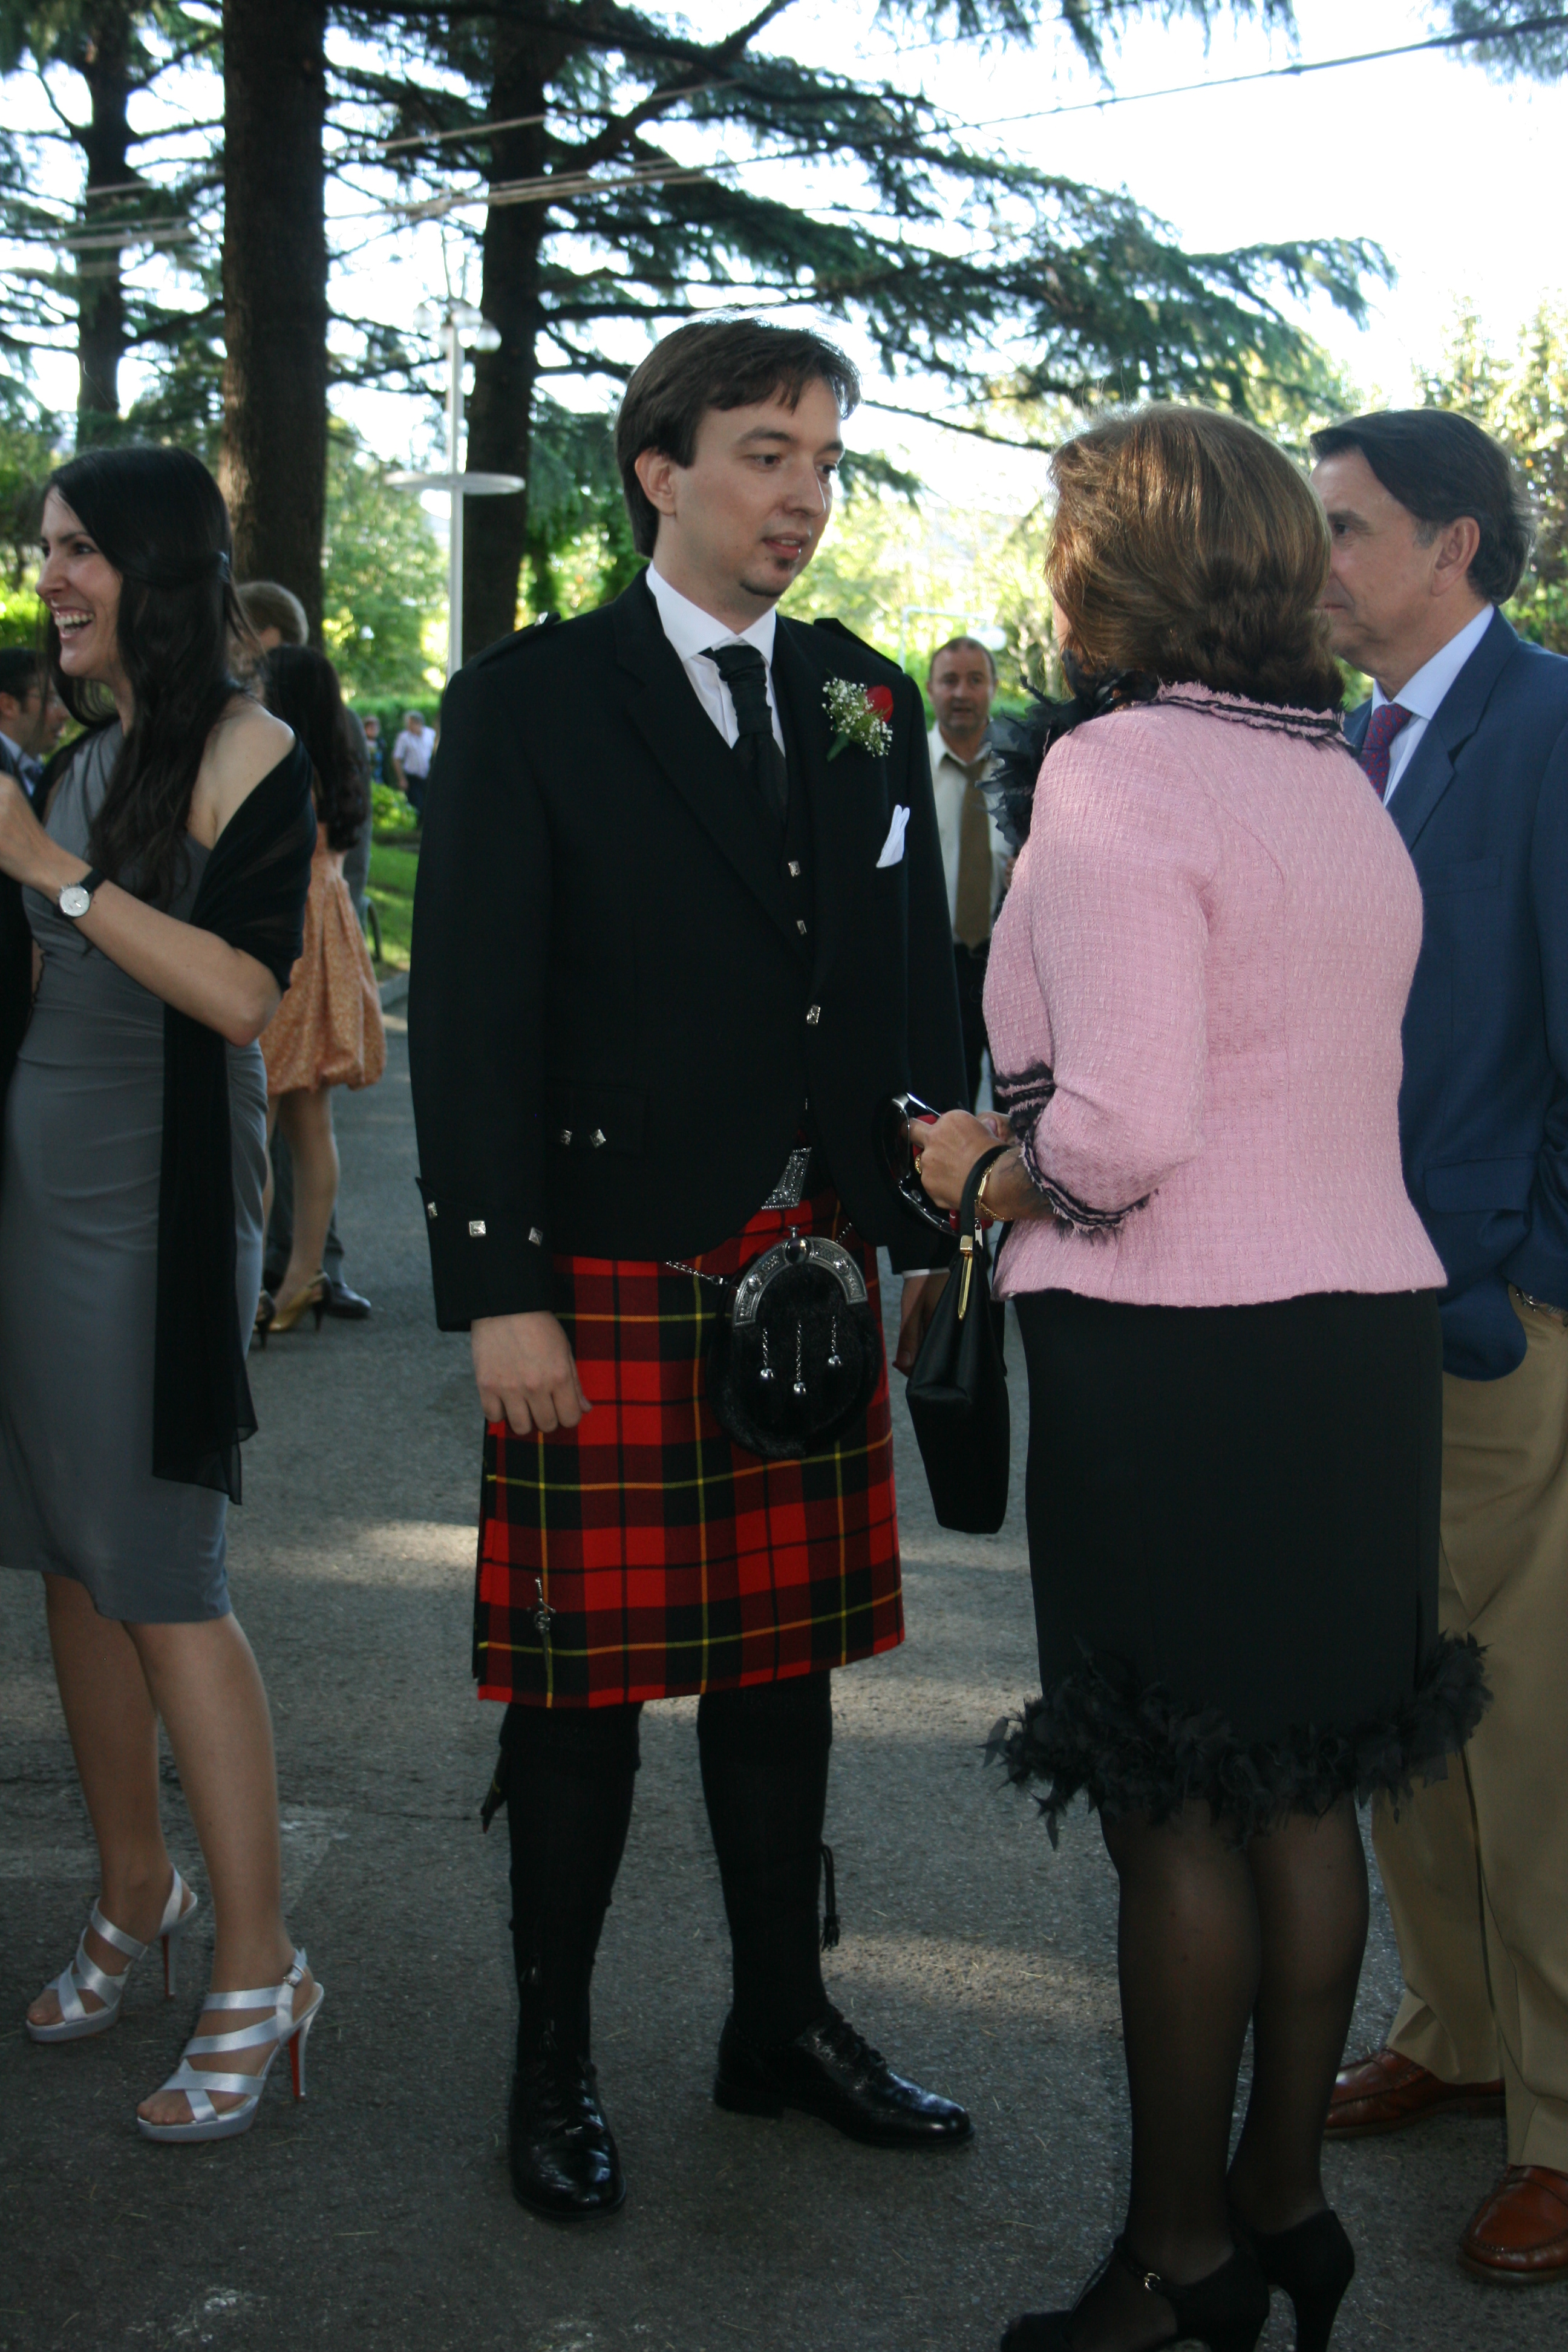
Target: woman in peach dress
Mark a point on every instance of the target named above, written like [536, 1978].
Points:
[328, 1030]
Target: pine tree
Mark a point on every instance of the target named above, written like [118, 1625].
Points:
[118, 49]
[596, 234]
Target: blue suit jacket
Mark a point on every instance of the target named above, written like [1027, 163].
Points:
[1483, 1110]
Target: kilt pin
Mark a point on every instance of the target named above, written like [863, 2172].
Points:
[642, 1555]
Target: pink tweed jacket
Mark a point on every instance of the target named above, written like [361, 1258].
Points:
[1195, 997]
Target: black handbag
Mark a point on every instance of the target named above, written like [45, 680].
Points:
[796, 1352]
[957, 1392]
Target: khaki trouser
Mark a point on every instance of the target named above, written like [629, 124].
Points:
[1475, 1867]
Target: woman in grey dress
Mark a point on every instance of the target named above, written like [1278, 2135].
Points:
[163, 894]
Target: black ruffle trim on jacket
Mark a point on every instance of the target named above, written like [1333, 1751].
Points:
[1021, 1099]
[1136, 1751]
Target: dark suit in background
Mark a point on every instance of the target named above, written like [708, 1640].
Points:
[28, 771]
[1477, 1867]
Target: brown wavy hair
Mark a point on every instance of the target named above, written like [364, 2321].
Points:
[1187, 548]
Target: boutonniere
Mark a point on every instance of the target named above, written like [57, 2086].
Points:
[862, 717]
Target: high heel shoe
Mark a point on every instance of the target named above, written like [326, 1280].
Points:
[1314, 2263]
[75, 2023]
[207, 2122]
[266, 1308]
[1228, 2311]
[311, 1295]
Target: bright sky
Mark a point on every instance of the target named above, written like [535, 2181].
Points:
[1457, 176]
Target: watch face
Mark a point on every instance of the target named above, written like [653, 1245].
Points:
[74, 900]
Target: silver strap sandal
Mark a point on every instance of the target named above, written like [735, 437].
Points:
[75, 2022]
[271, 2034]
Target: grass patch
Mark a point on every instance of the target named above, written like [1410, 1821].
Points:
[391, 893]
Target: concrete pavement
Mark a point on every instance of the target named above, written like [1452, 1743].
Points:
[379, 2213]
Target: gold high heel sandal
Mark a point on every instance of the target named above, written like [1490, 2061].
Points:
[311, 1297]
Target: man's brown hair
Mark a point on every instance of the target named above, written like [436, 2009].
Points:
[962, 644]
[268, 605]
[715, 363]
[1186, 546]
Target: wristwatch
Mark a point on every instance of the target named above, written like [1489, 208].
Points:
[77, 897]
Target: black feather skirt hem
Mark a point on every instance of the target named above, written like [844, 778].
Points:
[1131, 1750]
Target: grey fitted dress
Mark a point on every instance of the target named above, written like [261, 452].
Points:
[79, 1265]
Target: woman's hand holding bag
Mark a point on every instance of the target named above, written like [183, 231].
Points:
[957, 1392]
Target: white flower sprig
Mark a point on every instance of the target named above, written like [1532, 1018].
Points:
[862, 717]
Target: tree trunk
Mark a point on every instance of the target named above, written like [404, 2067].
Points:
[500, 413]
[275, 292]
[104, 64]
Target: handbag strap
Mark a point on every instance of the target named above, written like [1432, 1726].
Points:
[969, 1242]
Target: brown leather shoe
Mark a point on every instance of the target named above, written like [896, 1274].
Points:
[1519, 2235]
[1386, 2093]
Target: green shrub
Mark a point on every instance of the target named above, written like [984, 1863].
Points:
[390, 813]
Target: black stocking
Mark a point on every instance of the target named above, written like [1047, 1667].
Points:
[1311, 1878]
[764, 1775]
[1188, 1957]
[568, 1773]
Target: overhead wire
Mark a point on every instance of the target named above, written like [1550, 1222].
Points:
[546, 186]
[1556, 22]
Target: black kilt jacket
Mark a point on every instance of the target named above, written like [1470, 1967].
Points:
[631, 991]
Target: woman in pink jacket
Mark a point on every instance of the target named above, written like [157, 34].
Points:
[1228, 1313]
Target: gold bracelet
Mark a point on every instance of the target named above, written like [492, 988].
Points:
[980, 1199]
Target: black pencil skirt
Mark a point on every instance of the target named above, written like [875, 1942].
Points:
[1233, 1517]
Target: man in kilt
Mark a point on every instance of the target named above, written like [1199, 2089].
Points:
[681, 928]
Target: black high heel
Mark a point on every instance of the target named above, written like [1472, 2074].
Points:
[1314, 2263]
[1228, 2311]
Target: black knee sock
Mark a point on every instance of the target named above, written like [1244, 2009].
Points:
[568, 1775]
[764, 1775]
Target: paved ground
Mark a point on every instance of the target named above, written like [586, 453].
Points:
[379, 2213]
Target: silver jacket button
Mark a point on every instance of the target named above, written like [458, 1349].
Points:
[536, 1236]
[597, 1138]
[429, 1208]
[564, 1136]
[476, 1228]
[813, 1015]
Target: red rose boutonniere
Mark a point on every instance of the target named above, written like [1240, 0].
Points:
[862, 717]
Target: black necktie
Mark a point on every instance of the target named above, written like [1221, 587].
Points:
[745, 674]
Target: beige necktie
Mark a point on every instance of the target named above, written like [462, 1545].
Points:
[972, 909]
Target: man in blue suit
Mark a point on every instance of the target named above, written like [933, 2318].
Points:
[1466, 740]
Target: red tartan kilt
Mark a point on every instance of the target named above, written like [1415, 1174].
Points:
[668, 1559]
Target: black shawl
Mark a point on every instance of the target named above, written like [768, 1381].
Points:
[252, 895]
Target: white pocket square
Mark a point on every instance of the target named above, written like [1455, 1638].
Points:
[893, 848]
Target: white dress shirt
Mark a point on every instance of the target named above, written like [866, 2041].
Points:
[691, 631]
[412, 753]
[948, 783]
[1422, 694]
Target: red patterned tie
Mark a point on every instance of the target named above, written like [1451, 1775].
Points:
[1387, 721]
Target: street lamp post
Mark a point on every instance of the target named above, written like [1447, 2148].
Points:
[461, 328]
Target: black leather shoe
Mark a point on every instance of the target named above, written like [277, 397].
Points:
[562, 2154]
[345, 1304]
[831, 2072]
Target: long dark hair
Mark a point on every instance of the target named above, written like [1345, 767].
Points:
[303, 689]
[158, 518]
